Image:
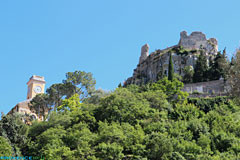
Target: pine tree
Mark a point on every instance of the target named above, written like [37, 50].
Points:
[215, 72]
[119, 85]
[225, 64]
[232, 61]
[188, 74]
[234, 76]
[201, 69]
[170, 68]
[219, 66]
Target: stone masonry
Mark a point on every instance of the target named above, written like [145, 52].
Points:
[197, 40]
[209, 89]
[144, 53]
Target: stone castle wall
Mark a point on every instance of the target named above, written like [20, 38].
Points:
[211, 88]
[197, 40]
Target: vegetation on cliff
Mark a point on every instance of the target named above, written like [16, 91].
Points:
[193, 64]
[211, 69]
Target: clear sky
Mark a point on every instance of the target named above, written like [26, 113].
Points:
[52, 37]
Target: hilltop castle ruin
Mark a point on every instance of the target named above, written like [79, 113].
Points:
[155, 65]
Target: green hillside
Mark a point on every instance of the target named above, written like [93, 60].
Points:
[156, 121]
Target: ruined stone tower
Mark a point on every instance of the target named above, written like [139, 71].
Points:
[144, 53]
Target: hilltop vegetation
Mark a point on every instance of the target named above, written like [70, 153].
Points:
[155, 121]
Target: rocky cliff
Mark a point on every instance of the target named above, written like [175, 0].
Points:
[153, 66]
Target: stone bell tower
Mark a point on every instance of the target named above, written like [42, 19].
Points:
[36, 85]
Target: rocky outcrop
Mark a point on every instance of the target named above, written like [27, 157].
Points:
[154, 66]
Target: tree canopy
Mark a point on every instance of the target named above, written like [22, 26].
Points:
[156, 121]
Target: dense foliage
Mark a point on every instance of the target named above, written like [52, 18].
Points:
[201, 68]
[154, 121]
[210, 69]
[5, 148]
[14, 131]
[234, 76]
[188, 74]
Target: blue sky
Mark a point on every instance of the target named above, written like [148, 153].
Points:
[52, 37]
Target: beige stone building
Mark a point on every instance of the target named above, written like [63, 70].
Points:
[36, 85]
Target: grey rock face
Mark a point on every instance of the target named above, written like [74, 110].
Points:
[155, 65]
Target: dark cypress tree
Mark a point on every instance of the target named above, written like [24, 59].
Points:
[210, 69]
[201, 69]
[232, 61]
[119, 85]
[219, 66]
[224, 64]
[215, 69]
[170, 68]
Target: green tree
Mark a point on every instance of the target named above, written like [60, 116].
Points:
[56, 92]
[71, 104]
[40, 103]
[186, 112]
[219, 66]
[234, 79]
[170, 68]
[188, 149]
[224, 63]
[96, 96]
[5, 147]
[84, 83]
[56, 119]
[157, 99]
[201, 68]
[188, 74]
[110, 151]
[13, 129]
[81, 140]
[51, 144]
[119, 85]
[122, 106]
[126, 140]
[173, 90]
[204, 141]
[159, 146]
